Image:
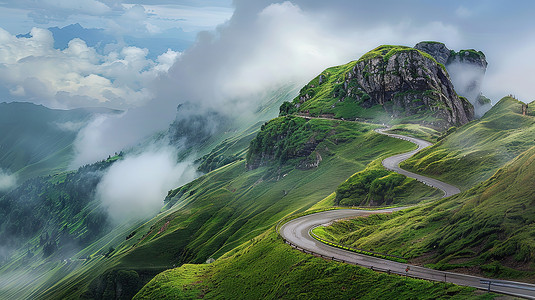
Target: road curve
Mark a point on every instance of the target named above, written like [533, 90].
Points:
[297, 233]
[392, 163]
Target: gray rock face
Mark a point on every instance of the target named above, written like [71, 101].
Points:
[466, 68]
[439, 51]
[407, 83]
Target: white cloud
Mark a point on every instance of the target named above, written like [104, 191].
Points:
[7, 180]
[70, 126]
[135, 187]
[511, 73]
[134, 20]
[77, 76]
[269, 46]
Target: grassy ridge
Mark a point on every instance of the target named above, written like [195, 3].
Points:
[486, 230]
[265, 268]
[474, 152]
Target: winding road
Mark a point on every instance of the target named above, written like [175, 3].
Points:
[297, 233]
[392, 163]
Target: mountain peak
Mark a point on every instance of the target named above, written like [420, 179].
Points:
[389, 82]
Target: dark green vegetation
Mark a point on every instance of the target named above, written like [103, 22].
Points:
[299, 142]
[36, 140]
[54, 211]
[468, 54]
[486, 230]
[201, 133]
[474, 152]
[266, 268]
[230, 150]
[376, 186]
[49, 219]
[229, 206]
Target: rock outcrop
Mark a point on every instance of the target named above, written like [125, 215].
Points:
[466, 68]
[406, 82]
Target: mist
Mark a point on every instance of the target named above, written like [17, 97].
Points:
[7, 180]
[226, 75]
[467, 80]
[135, 187]
[107, 134]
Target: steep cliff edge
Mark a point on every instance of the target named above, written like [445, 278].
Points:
[466, 68]
[389, 82]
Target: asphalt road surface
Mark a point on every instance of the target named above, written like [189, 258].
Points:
[392, 163]
[297, 233]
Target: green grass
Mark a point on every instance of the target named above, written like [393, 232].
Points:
[186, 282]
[487, 230]
[320, 234]
[266, 268]
[229, 206]
[474, 152]
[324, 98]
[376, 186]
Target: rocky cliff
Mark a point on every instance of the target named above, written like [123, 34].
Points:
[396, 81]
[466, 68]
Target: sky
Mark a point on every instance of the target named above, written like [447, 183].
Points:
[231, 52]
[298, 38]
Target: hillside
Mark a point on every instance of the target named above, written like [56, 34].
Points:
[266, 268]
[390, 84]
[229, 206]
[46, 220]
[485, 230]
[471, 154]
[36, 140]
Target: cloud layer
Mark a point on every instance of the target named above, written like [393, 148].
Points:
[7, 180]
[135, 187]
[32, 70]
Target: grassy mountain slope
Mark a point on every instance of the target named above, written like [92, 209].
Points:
[36, 140]
[229, 206]
[474, 152]
[72, 216]
[266, 268]
[486, 230]
[389, 84]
